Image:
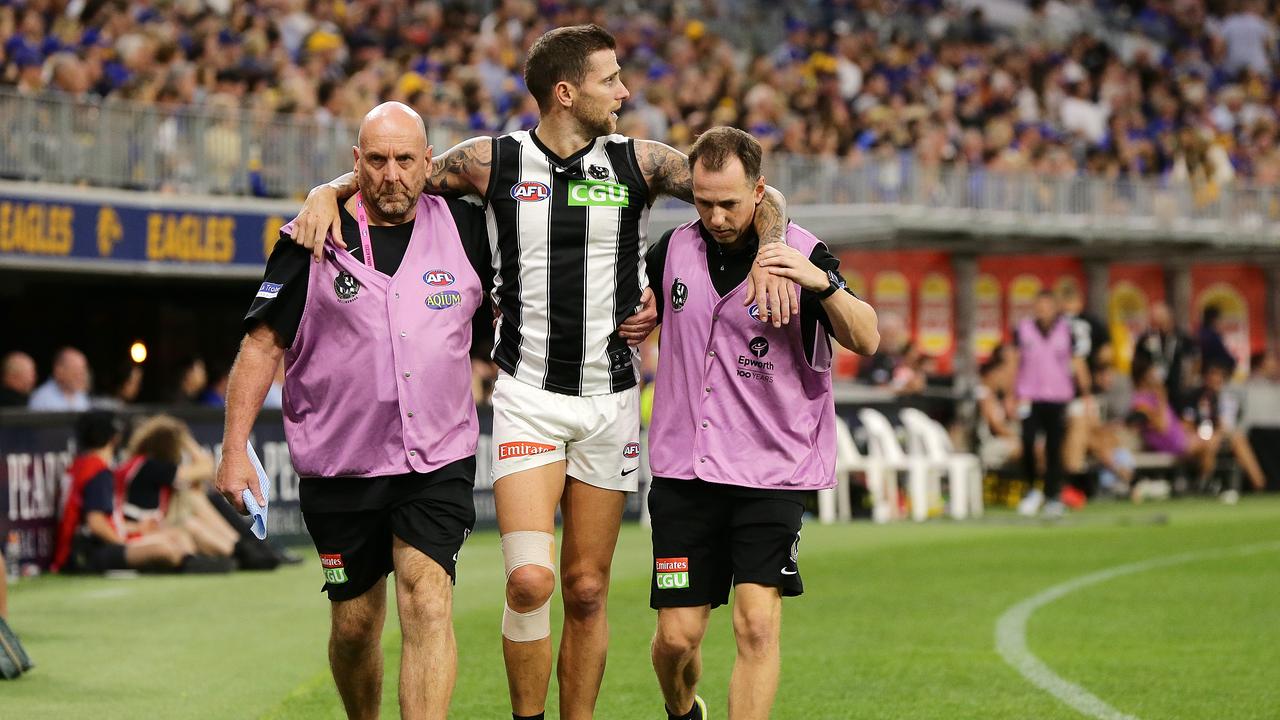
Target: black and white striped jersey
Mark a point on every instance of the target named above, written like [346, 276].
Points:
[567, 237]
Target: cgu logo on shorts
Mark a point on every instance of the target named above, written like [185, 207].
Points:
[334, 572]
[530, 191]
[589, 193]
[632, 449]
[522, 448]
[438, 278]
[672, 573]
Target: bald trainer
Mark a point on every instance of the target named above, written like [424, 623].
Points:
[378, 411]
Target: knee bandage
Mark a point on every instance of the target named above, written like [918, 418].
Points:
[520, 548]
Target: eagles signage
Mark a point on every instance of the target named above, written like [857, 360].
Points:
[54, 228]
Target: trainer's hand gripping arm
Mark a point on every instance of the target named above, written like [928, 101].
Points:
[852, 321]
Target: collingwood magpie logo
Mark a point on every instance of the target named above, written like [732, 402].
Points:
[346, 287]
[679, 294]
[598, 172]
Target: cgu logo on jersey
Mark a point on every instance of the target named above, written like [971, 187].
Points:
[530, 191]
[438, 278]
[444, 300]
[589, 193]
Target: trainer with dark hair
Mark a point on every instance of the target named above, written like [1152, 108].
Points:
[726, 511]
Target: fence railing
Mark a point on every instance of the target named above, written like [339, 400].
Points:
[231, 151]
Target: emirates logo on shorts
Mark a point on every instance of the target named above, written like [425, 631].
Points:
[522, 449]
[334, 571]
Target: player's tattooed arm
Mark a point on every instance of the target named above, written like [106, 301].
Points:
[462, 169]
[665, 170]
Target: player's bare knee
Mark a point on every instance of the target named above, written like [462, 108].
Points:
[426, 605]
[529, 586]
[673, 640]
[756, 630]
[585, 594]
[353, 632]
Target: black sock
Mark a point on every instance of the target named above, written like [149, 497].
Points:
[693, 714]
[539, 716]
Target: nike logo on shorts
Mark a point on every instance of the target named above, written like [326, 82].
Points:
[788, 572]
[628, 472]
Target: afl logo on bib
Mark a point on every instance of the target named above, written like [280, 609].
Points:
[530, 191]
[438, 278]
[346, 287]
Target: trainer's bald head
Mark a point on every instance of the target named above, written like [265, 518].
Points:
[392, 119]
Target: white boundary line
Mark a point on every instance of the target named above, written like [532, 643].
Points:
[1011, 628]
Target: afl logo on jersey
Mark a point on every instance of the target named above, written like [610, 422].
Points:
[346, 287]
[754, 312]
[530, 191]
[438, 278]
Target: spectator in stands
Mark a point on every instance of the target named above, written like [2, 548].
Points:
[192, 379]
[67, 389]
[1167, 349]
[1213, 414]
[17, 379]
[1212, 345]
[1048, 369]
[999, 439]
[124, 384]
[879, 369]
[166, 480]
[93, 535]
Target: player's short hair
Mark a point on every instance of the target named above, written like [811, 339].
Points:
[715, 146]
[563, 55]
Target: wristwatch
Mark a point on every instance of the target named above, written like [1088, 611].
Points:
[837, 283]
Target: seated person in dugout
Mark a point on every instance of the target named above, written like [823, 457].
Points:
[1213, 414]
[166, 480]
[93, 535]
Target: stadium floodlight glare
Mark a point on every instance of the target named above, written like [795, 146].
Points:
[138, 352]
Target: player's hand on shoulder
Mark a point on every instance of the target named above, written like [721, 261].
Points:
[317, 219]
[785, 261]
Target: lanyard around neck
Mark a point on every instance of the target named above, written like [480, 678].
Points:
[363, 222]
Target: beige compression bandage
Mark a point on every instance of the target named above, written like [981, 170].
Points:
[520, 548]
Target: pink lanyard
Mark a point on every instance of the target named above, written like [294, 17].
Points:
[363, 222]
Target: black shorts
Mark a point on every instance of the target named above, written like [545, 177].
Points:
[352, 522]
[708, 537]
[94, 555]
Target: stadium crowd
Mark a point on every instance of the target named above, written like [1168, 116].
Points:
[1180, 90]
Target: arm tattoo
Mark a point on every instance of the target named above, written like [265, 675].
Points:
[770, 222]
[462, 169]
[666, 170]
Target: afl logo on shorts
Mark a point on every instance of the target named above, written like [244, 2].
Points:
[346, 287]
[631, 450]
[530, 191]
[438, 278]
[679, 295]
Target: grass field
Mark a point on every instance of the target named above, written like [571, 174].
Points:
[898, 622]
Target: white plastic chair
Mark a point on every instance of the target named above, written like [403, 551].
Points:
[929, 438]
[833, 503]
[891, 459]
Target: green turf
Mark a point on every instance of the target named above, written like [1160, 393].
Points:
[898, 622]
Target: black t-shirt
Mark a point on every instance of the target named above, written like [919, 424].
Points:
[730, 269]
[289, 267]
[148, 482]
[99, 496]
[12, 398]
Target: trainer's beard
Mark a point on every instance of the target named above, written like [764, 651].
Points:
[392, 206]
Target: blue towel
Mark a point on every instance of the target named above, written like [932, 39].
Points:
[258, 514]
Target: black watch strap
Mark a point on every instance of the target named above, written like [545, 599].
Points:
[837, 283]
[831, 290]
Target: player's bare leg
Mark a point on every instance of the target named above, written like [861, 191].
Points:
[592, 517]
[429, 662]
[355, 651]
[757, 627]
[677, 654]
[526, 501]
